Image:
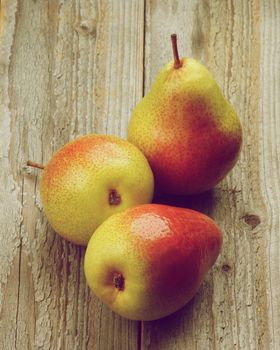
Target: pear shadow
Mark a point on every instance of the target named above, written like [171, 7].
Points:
[183, 323]
[162, 331]
[175, 319]
[204, 202]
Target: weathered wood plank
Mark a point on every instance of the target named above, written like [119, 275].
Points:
[76, 67]
[11, 194]
[269, 153]
[237, 306]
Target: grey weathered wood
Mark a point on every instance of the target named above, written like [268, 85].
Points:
[269, 162]
[238, 304]
[67, 68]
[72, 67]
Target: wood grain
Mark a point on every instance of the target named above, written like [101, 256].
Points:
[73, 67]
[236, 306]
[66, 72]
[269, 153]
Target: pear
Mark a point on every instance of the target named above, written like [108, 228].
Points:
[189, 132]
[90, 179]
[148, 261]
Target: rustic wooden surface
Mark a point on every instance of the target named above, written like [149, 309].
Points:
[73, 67]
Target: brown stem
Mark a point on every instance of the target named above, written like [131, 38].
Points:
[35, 165]
[177, 62]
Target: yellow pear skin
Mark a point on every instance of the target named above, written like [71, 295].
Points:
[90, 179]
[189, 132]
[148, 261]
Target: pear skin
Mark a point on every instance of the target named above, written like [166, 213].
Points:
[148, 261]
[189, 132]
[90, 179]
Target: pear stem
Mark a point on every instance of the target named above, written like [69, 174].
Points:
[177, 62]
[35, 165]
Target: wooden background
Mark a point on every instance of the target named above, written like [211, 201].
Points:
[74, 67]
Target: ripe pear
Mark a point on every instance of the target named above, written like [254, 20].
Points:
[90, 179]
[148, 261]
[189, 132]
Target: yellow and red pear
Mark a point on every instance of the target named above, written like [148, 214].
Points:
[148, 261]
[189, 132]
[90, 179]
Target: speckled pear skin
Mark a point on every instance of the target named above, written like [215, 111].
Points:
[188, 131]
[163, 254]
[77, 182]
